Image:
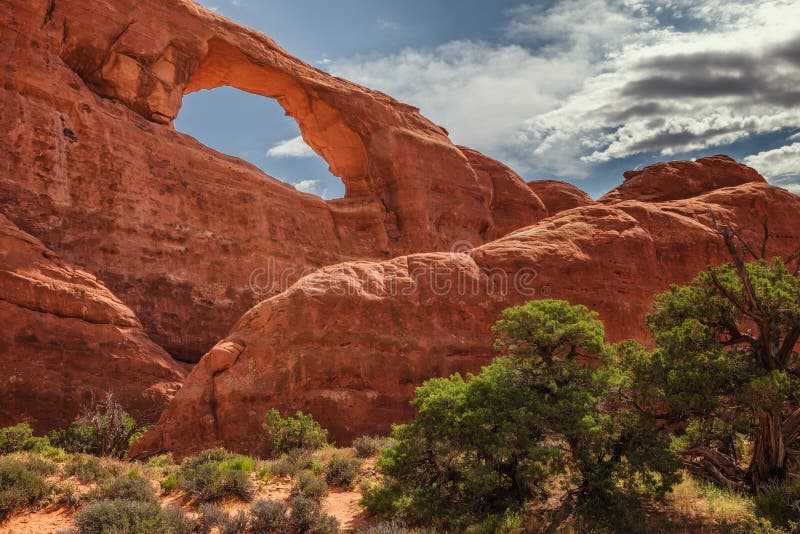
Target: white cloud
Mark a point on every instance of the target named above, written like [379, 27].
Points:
[291, 148]
[313, 187]
[588, 81]
[780, 166]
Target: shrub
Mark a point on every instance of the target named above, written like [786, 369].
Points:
[237, 483]
[177, 522]
[216, 473]
[119, 515]
[780, 503]
[234, 523]
[87, 468]
[283, 466]
[103, 429]
[342, 471]
[19, 486]
[309, 486]
[268, 517]
[130, 487]
[169, 483]
[393, 527]
[68, 495]
[161, 461]
[20, 438]
[306, 517]
[40, 466]
[210, 516]
[366, 446]
[298, 432]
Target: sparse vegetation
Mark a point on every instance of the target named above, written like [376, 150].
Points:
[308, 485]
[268, 517]
[120, 515]
[217, 473]
[21, 484]
[131, 487]
[307, 517]
[19, 438]
[342, 471]
[88, 468]
[104, 428]
[366, 446]
[283, 435]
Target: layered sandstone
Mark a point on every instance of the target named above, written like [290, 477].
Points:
[93, 167]
[66, 339]
[350, 343]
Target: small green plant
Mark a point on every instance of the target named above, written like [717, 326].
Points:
[87, 468]
[216, 473]
[161, 461]
[780, 503]
[282, 467]
[20, 438]
[120, 515]
[67, 494]
[282, 435]
[19, 486]
[177, 522]
[341, 471]
[210, 516]
[392, 527]
[309, 486]
[366, 446]
[131, 487]
[170, 483]
[307, 517]
[234, 523]
[268, 517]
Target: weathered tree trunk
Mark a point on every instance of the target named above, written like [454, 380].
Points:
[769, 453]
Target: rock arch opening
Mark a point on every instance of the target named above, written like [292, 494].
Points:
[257, 130]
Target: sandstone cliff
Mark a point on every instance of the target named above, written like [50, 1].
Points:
[93, 167]
[66, 339]
[350, 343]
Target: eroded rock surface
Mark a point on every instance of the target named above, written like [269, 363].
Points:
[66, 339]
[682, 179]
[559, 196]
[351, 342]
[93, 167]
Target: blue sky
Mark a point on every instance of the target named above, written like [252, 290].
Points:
[576, 90]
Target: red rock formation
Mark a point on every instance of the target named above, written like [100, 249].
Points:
[559, 196]
[93, 167]
[66, 338]
[681, 179]
[350, 343]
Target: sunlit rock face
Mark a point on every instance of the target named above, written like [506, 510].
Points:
[93, 167]
[352, 341]
[127, 242]
[66, 339]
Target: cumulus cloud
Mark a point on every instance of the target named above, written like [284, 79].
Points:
[590, 81]
[780, 165]
[291, 148]
[308, 186]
